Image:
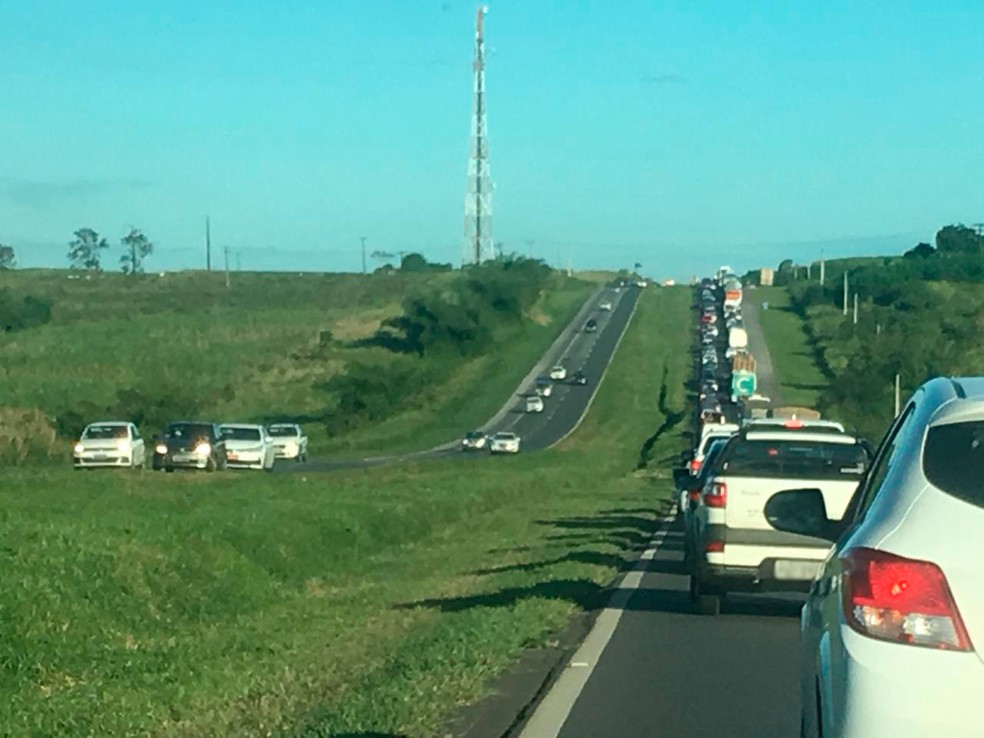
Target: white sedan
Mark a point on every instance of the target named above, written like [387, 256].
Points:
[558, 373]
[109, 444]
[248, 447]
[289, 441]
[605, 305]
[505, 442]
[534, 404]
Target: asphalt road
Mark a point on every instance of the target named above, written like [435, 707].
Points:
[590, 352]
[666, 672]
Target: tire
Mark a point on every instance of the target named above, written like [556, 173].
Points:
[169, 470]
[702, 601]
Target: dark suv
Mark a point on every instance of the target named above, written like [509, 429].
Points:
[591, 326]
[190, 445]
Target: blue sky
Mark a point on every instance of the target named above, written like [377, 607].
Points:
[678, 135]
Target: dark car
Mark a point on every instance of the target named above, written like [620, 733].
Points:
[189, 444]
[579, 378]
[591, 326]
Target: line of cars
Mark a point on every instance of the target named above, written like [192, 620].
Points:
[884, 542]
[190, 445]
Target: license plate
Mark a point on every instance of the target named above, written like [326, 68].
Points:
[798, 570]
[181, 457]
[99, 457]
[232, 456]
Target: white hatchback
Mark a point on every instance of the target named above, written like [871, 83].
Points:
[248, 446]
[109, 444]
[893, 628]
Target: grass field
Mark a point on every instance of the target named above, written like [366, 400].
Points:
[362, 602]
[249, 353]
[792, 356]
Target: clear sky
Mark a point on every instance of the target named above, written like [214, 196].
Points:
[679, 135]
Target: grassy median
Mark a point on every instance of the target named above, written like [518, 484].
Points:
[357, 602]
[792, 356]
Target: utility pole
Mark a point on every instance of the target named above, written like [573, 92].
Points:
[808, 277]
[208, 245]
[478, 197]
[823, 270]
[845, 293]
[226, 250]
[363, 254]
[898, 394]
[855, 308]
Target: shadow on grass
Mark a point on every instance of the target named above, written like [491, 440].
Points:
[805, 386]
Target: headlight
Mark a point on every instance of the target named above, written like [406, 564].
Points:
[161, 449]
[123, 444]
[291, 447]
[203, 449]
[79, 447]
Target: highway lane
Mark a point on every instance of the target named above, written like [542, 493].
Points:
[666, 672]
[590, 352]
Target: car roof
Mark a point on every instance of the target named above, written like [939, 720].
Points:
[800, 435]
[241, 425]
[109, 422]
[817, 425]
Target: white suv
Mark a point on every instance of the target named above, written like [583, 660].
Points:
[735, 547]
[890, 627]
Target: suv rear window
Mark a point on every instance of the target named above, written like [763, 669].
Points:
[953, 460]
[792, 458]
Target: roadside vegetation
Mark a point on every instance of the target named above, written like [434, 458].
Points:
[920, 315]
[337, 353]
[365, 602]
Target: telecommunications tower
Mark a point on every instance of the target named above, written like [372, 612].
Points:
[478, 198]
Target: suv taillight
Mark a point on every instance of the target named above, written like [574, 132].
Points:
[717, 495]
[694, 466]
[901, 600]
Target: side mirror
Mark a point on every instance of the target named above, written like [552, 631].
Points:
[802, 511]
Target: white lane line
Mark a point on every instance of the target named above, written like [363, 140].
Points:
[556, 706]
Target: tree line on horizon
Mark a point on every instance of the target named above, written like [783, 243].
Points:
[86, 249]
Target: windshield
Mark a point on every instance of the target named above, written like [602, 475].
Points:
[241, 434]
[473, 434]
[178, 431]
[796, 459]
[505, 436]
[953, 460]
[101, 432]
[281, 431]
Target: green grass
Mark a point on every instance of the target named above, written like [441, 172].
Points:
[250, 352]
[365, 601]
[800, 380]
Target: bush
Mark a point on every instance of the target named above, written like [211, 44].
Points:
[26, 433]
[26, 312]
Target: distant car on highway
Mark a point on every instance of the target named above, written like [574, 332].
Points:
[534, 404]
[736, 547]
[580, 377]
[505, 442]
[605, 305]
[543, 387]
[558, 373]
[475, 440]
[892, 631]
[248, 446]
[190, 445]
[109, 444]
[591, 326]
[289, 441]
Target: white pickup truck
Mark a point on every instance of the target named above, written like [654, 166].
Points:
[735, 548]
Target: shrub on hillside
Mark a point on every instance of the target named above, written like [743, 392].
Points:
[26, 433]
[20, 313]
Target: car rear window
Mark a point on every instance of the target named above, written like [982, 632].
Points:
[953, 460]
[796, 459]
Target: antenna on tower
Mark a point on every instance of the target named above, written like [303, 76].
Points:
[478, 198]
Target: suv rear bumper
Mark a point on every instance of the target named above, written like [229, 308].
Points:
[721, 578]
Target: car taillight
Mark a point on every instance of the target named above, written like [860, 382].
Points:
[714, 547]
[717, 495]
[694, 466]
[693, 495]
[901, 600]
